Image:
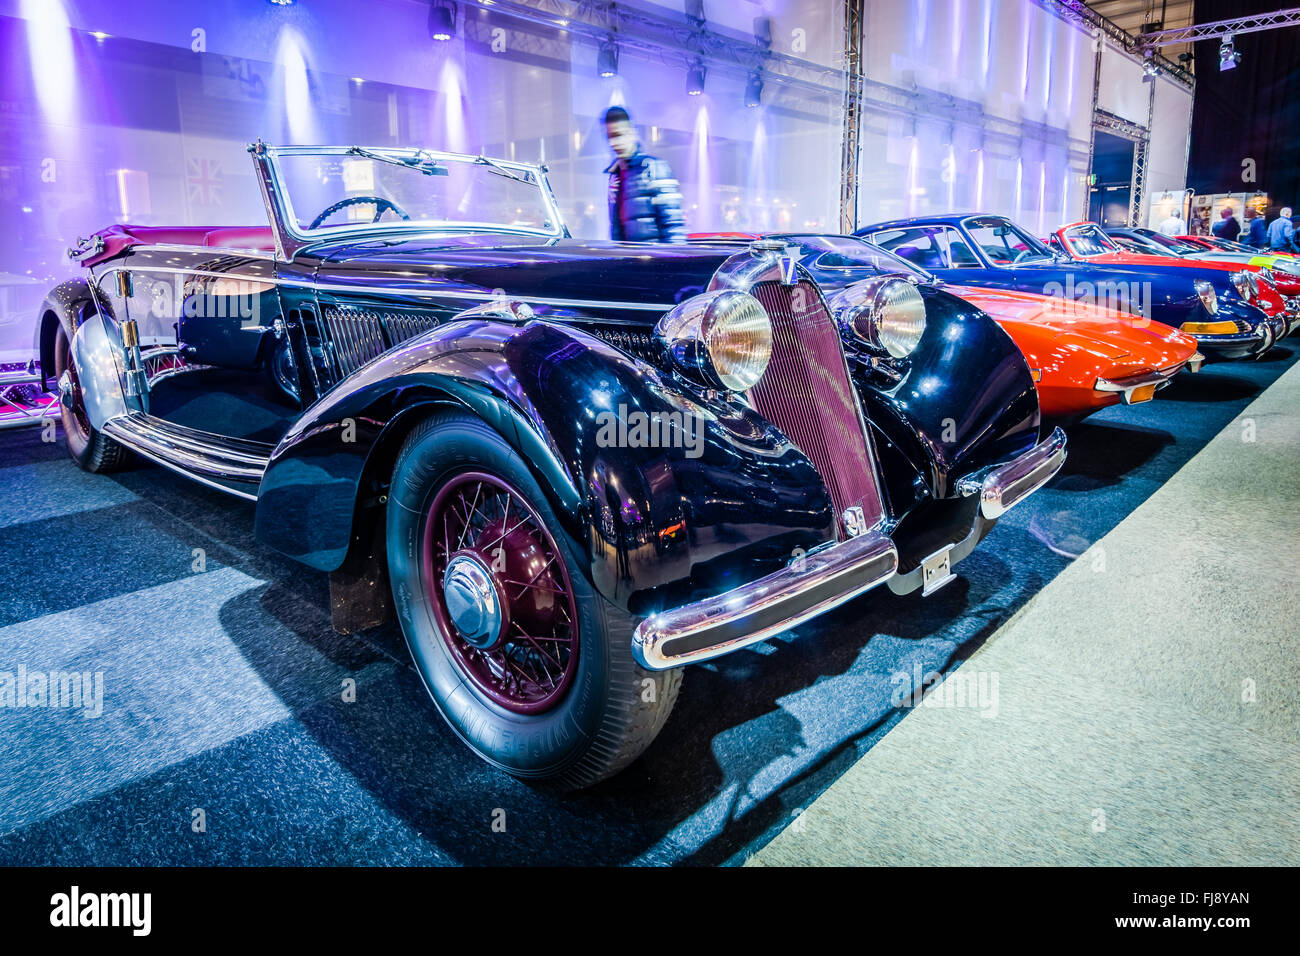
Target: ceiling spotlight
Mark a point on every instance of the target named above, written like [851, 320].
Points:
[1228, 55]
[1149, 70]
[442, 22]
[754, 90]
[607, 59]
[763, 32]
[695, 79]
[694, 10]
[281, 3]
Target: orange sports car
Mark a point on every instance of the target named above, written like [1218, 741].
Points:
[1084, 357]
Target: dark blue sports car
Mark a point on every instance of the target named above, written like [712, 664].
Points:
[992, 251]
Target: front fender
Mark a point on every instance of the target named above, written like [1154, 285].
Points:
[965, 400]
[655, 522]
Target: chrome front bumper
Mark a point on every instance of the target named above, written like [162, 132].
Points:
[1001, 487]
[812, 585]
[822, 579]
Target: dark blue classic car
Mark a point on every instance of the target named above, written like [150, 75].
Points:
[992, 251]
[567, 468]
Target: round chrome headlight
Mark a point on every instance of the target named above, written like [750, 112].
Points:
[720, 339]
[1246, 284]
[886, 314]
[1209, 298]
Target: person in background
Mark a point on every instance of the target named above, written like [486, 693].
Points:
[1281, 234]
[1173, 226]
[645, 203]
[1227, 227]
[1256, 229]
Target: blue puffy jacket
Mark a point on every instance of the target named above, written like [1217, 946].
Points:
[645, 202]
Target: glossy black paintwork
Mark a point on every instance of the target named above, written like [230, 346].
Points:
[657, 523]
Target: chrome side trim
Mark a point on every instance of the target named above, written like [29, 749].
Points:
[814, 584]
[1003, 486]
[467, 295]
[173, 467]
[187, 455]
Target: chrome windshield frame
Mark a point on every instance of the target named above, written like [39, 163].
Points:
[291, 238]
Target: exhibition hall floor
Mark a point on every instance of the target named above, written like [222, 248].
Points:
[223, 685]
[1148, 704]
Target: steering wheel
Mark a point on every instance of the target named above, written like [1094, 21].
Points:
[381, 204]
[1021, 255]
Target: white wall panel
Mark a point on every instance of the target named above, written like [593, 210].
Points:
[1017, 67]
[1121, 90]
[1167, 152]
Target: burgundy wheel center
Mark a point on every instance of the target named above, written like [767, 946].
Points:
[500, 593]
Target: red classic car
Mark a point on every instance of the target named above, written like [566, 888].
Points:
[1087, 242]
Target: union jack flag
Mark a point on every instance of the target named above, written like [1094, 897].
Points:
[205, 182]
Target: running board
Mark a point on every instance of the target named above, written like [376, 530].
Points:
[213, 460]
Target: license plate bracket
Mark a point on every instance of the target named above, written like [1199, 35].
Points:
[936, 571]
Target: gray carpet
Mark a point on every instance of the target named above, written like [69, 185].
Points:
[1142, 709]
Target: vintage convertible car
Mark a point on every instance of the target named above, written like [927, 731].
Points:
[568, 468]
[1083, 357]
[993, 252]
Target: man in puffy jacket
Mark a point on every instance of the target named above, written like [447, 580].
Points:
[645, 202]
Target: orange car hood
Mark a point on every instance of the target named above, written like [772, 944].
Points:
[1107, 333]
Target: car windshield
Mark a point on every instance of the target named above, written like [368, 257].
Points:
[1089, 240]
[1176, 246]
[1005, 243]
[849, 252]
[352, 189]
[1229, 245]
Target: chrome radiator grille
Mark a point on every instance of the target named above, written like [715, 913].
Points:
[807, 394]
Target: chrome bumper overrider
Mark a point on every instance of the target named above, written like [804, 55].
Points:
[815, 583]
[1001, 486]
[1127, 386]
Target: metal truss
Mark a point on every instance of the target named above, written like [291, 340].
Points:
[675, 39]
[852, 115]
[1081, 13]
[1221, 28]
[1141, 138]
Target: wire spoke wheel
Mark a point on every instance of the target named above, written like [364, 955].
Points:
[500, 593]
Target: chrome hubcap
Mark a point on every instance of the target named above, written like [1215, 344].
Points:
[473, 603]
